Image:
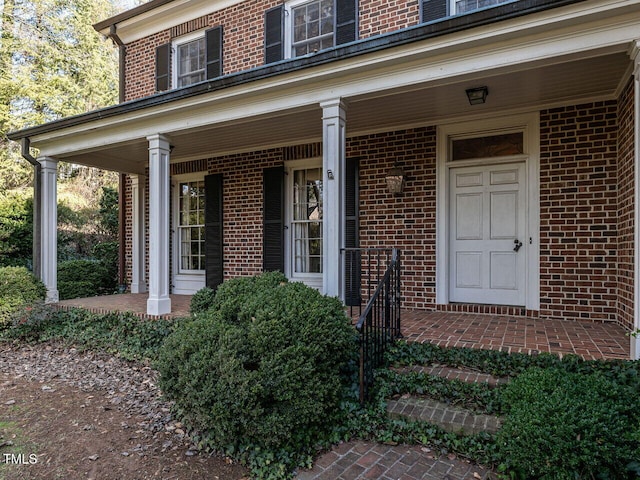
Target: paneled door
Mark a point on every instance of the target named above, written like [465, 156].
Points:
[487, 209]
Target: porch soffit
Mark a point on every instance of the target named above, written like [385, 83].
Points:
[422, 82]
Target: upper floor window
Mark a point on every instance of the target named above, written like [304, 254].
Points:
[436, 9]
[312, 27]
[301, 27]
[190, 62]
[189, 59]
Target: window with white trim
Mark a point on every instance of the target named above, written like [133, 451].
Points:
[191, 226]
[306, 231]
[311, 26]
[189, 60]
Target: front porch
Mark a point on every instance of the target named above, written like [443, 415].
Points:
[590, 340]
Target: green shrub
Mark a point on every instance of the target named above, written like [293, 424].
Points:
[107, 253]
[18, 287]
[563, 425]
[262, 377]
[202, 301]
[83, 278]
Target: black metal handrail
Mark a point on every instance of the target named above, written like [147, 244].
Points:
[379, 323]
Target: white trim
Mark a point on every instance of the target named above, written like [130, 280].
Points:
[183, 282]
[530, 125]
[634, 53]
[138, 273]
[312, 279]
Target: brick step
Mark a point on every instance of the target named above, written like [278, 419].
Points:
[450, 373]
[448, 417]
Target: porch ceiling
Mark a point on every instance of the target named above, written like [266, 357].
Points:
[529, 87]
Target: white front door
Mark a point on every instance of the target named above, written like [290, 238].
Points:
[487, 209]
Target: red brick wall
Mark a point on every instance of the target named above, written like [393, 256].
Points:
[626, 199]
[242, 208]
[243, 43]
[406, 221]
[376, 17]
[578, 212]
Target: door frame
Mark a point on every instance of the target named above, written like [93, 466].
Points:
[189, 282]
[529, 124]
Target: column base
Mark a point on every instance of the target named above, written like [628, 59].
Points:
[635, 347]
[139, 287]
[158, 306]
[52, 296]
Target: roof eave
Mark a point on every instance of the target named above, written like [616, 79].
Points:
[420, 32]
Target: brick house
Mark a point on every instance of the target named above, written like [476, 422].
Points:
[258, 135]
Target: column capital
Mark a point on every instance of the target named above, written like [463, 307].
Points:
[48, 162]
[333, 108]
[160, 141]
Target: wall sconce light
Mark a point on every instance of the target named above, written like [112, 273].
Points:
[478, 95]
[395, 180]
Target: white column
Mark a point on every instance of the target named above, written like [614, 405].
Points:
[635, 341]
[159, 302]
[138, 282]
[49, 227]
[333, 196]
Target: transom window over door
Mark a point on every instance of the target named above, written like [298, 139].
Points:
[307, 222]
[191, 226]
[191, 62]
[313, 25]
[465, 6]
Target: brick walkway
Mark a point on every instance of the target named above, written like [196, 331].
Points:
[366, 460]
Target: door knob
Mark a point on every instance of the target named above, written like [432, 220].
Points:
[518, 244]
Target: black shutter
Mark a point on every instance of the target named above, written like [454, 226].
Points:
[433, 10]
[163, 60]
[214, 52]
[346, 23]
[273, 219]
[213, 230]
[273, 34]
[351, 240]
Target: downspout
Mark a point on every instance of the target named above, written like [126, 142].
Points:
[122, 51]
[37, 204]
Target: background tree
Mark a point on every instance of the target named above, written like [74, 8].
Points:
[53, 64]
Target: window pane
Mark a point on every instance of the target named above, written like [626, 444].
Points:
[191, 60]
[485, 147]
[307, 224]
[191, 227]
[312, 27]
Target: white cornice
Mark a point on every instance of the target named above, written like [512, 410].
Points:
[166, 16]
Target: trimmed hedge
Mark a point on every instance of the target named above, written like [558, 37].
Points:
[18, 288]
[84, 278]
[262, 374]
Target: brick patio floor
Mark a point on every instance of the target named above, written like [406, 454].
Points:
[128, 302]
[591, 340]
